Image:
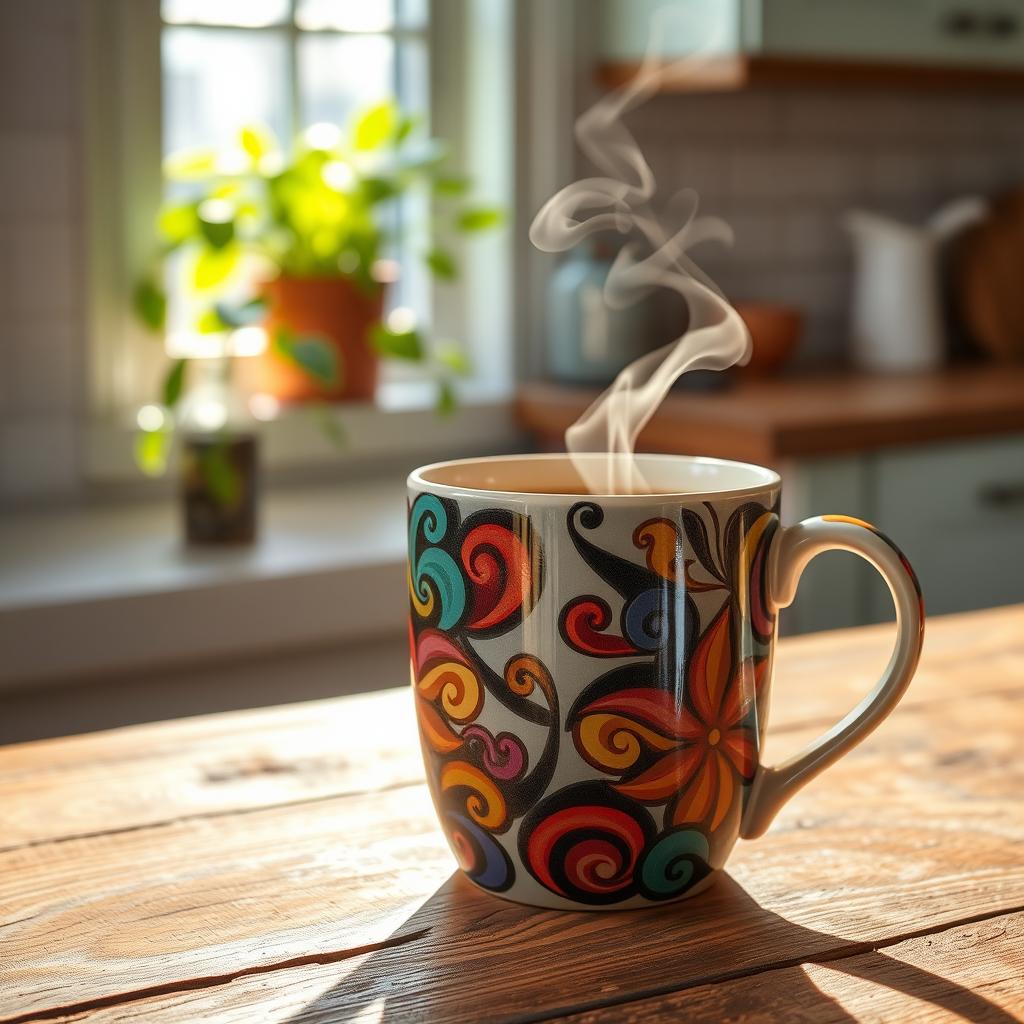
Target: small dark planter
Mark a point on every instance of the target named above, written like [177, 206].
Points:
[219, 488]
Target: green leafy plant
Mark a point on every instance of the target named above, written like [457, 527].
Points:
[237, 219]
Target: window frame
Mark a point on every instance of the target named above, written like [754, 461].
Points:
[124, 186]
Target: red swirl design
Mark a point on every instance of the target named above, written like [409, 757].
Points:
[498, 566]
[582, 626]
[603, 846]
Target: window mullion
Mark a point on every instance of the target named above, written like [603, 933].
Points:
[295, 100]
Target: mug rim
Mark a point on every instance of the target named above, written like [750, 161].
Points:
[768, 480]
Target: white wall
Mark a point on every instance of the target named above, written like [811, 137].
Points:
[42, 320]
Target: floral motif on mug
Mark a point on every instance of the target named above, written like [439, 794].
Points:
[691, 756]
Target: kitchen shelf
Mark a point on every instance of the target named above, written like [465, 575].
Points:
[767, 421]
[736, 72]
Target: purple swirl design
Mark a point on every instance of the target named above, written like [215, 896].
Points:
[503, 756]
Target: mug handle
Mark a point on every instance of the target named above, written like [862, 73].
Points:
[790, 551]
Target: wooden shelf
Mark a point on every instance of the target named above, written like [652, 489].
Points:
[751, 71]
[768, 421]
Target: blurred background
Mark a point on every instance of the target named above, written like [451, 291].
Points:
[260, 258]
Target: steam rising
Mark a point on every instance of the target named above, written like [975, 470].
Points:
[655, 257]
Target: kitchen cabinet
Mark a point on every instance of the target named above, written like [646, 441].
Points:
[961, 509]
[780, 42]
[955, 509]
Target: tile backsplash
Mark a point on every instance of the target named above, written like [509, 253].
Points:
[42, 321]
[782, 167]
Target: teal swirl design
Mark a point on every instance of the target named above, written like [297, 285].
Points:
[676, 861]
[439, 567]
[429, 511]
[434, 571]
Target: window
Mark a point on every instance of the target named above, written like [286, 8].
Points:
[165, 75]
[289, 65]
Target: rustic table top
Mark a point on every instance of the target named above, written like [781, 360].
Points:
[284, 865]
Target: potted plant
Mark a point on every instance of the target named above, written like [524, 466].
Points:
[291, 249]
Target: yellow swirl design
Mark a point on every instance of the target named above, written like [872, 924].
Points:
[485, 804]
[524, 672]
[660, 538]
[423, 608]
[437, 733]
[614, 742]
[457, 687]
[747, 554]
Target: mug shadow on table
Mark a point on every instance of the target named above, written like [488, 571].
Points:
[447, 956]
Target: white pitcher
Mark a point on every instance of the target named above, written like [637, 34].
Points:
[897, 323]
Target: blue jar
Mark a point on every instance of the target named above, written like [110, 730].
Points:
[588, 342]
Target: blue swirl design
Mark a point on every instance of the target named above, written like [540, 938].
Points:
[645, 620]
[677, 861]
[479, 853]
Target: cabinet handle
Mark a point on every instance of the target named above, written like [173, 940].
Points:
[961, 22]
[1003, 24]
[1002, 495]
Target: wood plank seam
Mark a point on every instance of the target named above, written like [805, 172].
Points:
[208, 815]
[844, 952]
[789, 727]
[210, 981]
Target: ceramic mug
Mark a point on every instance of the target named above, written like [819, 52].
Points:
[591, 672]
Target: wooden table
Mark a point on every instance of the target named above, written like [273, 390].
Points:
[284, 865]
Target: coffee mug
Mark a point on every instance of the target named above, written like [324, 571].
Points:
[591, 672]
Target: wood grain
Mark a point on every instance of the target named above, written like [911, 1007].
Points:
[148, 775]
[968, 972]
[219, 764]
[732, 72]
[770, 420]
[918, 829]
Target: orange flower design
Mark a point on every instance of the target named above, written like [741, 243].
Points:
[694, 758]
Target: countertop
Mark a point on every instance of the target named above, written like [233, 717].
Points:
[285, 865]
[766, 421]
[110, 589]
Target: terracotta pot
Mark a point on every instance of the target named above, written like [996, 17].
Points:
[774, 333]
[335, 309]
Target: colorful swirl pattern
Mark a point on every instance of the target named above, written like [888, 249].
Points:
[433, 574]
[674, 863]
[478, 853]
[671, 732]
[585, 842]
[471, 578]
[504, 755]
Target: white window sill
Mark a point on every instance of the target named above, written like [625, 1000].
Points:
[112, 590]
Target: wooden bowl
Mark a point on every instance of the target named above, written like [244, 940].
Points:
[774, 333]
